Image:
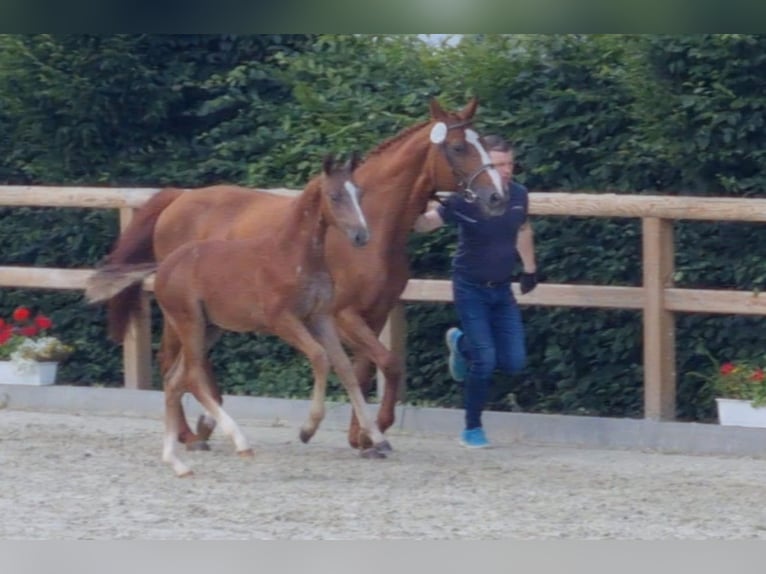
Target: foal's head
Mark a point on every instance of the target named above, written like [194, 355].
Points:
[341, 199]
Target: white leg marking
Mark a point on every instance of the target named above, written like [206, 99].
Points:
[170, 454]
[231, 429]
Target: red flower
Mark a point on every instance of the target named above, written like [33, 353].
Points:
[757, 375]
[727, 368]
[21, 314]
[43, 322]
[28, 331]
[5, 333]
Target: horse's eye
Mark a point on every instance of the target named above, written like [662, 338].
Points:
[336, 197]
[458, 147]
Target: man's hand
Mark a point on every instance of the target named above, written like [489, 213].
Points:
[527, 282]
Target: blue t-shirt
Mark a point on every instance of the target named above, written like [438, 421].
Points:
[486, 249]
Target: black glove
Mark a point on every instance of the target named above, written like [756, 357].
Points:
[527, 282]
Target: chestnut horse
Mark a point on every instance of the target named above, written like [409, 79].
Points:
[275, 283]
[399, 176]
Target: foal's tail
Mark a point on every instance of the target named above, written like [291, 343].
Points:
[135, 245]
[111, 280]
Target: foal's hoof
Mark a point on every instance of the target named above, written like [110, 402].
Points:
[247, 453]
[305, 436]
[186, 474]
[365, 442]
[198, 445]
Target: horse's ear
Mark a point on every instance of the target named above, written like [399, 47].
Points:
[437, 112]
[470, 109]
[354, 160]
[328, 163]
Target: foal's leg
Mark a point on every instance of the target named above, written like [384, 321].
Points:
[174, 389]
[328, 336]
[192, 372]
[182, 377]
[201, 379]
[293, 331]
[206, 422]
[356, 330]
[168, 355]
[170, 349]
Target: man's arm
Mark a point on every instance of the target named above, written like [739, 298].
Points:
[525, 245]
[428, 221]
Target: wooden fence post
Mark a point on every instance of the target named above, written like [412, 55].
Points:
[659, 323]
[394, 337]
[137, 346]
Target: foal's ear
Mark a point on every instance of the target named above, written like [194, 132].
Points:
[354, 161]
[328, 163]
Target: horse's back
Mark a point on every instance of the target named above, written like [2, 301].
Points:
[214, 212]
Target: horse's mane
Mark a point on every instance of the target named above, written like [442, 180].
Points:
[385, 144]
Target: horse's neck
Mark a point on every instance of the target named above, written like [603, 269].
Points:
[397, 186]
[304, 227]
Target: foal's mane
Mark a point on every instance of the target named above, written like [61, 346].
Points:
[385, 144]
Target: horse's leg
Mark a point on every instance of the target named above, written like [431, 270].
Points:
[364, 370]
[365, 340]
[328, 336]
[292, 330]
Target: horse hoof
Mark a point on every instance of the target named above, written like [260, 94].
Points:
[186, 474]
[247, 453]
[384, 447]
[205, 427]
[305, 436]
[197, 445]
[372, 453]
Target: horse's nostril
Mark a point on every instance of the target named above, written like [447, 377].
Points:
[495, 197]
[361, 238]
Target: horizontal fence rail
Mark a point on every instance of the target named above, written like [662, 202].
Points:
[657, 298]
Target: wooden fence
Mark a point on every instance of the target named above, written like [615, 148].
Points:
[657, 298]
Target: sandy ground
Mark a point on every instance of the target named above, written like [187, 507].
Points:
[67, 476]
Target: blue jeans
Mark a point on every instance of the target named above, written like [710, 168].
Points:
[493, 338]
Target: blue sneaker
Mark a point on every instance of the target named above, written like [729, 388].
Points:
[474, 438]
[456, 362]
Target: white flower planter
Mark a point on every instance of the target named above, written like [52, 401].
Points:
[40, 374]
[736, 412]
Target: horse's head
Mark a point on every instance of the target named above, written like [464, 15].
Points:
[464, 165]
[341, 198]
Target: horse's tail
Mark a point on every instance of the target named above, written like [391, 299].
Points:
[135, 245]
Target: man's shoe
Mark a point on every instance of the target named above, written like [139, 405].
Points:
[474, 438]
[456, 362]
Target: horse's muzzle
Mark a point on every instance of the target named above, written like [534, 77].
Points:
[491, 204]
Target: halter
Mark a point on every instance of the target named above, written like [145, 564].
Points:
[464, 181]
